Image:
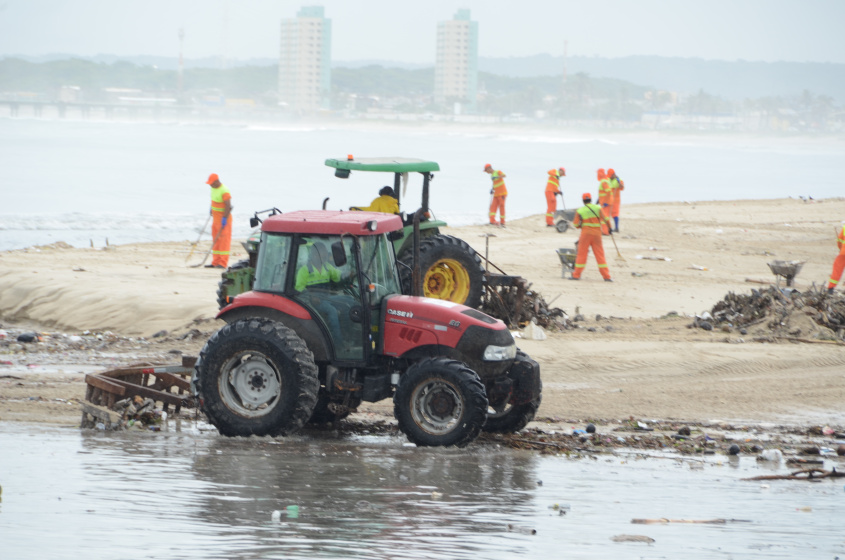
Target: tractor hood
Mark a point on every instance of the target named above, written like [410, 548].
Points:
[413, 322]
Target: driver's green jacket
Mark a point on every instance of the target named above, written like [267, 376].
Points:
[310, 275]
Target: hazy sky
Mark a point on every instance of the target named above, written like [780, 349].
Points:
[403, 30]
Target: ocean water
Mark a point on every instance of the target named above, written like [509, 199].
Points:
[88, 183]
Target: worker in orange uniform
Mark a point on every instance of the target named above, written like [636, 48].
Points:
[221, 226]
[500, 193]
[616, 188]
[838, 262]
[604, 199]
[590, 220]
[552, 192]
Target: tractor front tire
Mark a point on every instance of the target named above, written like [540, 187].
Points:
[256, 377]
[450, 270]
[440, 402]
[513, 418]
[225, 282]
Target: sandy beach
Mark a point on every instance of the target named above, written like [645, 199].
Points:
[633, 355]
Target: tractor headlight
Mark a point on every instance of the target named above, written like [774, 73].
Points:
[499, 353]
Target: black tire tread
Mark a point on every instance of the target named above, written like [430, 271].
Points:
[285, 341]
[475, 404]
[435, 247]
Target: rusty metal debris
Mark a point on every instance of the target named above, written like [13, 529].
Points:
[116, 395]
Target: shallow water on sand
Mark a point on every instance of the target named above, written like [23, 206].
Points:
[189, 493]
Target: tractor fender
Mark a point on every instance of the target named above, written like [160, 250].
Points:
[307, 329]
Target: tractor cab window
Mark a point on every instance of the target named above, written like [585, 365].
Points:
[272, 267]
[328, 288]
[379, 267]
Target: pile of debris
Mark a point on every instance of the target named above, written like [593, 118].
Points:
[774, 313]
[518, 305]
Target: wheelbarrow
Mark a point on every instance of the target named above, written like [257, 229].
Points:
[567, 260]
[786, 269]
[562, 219]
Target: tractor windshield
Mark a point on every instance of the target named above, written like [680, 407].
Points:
[379, 267]
[272, 269]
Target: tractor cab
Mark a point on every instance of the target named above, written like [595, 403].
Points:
[336, 267]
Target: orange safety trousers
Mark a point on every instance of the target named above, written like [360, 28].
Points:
[838, 267]
[223, 240]
[551, 206]
[614, 207]
[590, 240]
[498, 204]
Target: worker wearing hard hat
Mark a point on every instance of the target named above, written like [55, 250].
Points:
[386, 202]
[500, 193]
[221, 227]
[838, 262]
[552, 192]
[616, 188]
[604, 199]
[590, 220]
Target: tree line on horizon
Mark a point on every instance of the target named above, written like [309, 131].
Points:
[376, 88]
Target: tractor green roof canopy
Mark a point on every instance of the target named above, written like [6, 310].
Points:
[387, 164]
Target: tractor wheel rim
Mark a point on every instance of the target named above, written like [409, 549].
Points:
[251, 385]
[437, 406]
[447, 279]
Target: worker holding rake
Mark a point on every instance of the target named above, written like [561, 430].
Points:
[590, 220]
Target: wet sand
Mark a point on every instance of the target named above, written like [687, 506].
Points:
[630, 358]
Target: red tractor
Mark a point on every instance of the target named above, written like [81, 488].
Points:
[325, 327]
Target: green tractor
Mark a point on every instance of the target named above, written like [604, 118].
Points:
[451, 269]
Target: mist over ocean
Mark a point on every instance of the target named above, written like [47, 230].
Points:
[83, 181]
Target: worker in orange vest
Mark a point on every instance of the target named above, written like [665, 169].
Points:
[838, 262]
[221, 227]
[500, 193]
[616, 188]
[604, 200]
[590, 220]
[552, 192]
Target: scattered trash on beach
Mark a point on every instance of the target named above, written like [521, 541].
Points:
[632, 538]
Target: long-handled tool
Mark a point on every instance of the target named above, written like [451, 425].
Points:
[618, 254]
[213, 243]
[194, 244]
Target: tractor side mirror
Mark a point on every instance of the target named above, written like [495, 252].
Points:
[254, 221]
[338, 254]
[341, 173]
[396, 235]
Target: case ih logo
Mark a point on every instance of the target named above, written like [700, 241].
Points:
[398, 313]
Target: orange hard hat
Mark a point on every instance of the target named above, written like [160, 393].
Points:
[611, 172]
[487, 166]
[586, 196]
[211, 178]
[600, 174]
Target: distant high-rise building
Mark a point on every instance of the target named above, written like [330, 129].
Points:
[305, 60]
[456, 65]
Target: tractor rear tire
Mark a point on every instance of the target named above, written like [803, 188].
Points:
[440, 402]
[256, 377]
[450, 270]
[225, 282]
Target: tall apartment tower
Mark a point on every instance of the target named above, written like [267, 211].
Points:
[305, 61]
[456, 65]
